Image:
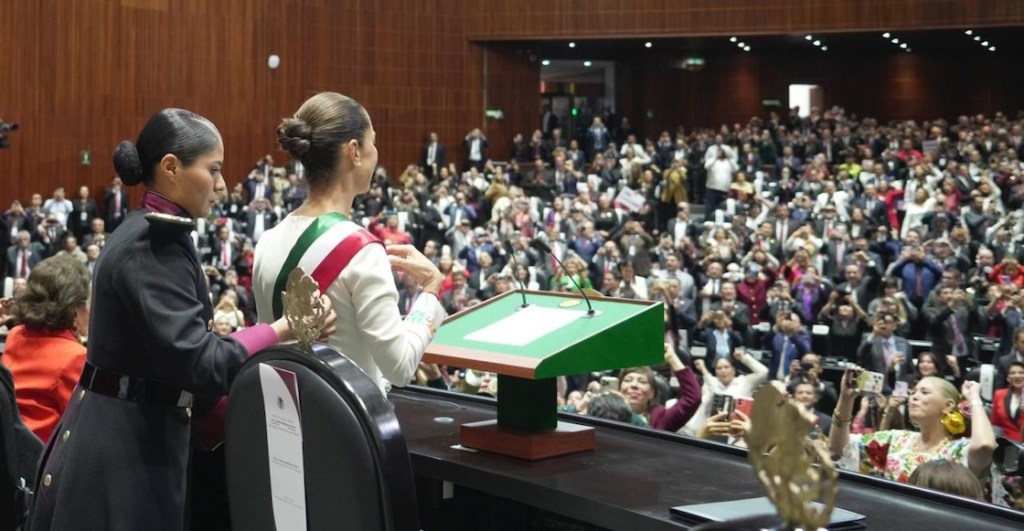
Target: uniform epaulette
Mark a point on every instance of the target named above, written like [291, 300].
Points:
[167, 223]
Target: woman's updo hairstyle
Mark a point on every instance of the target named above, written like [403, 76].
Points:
[177, 132]
[56, 288]
[322, 125]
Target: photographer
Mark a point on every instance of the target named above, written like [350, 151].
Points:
[808, 370]
[951, 319]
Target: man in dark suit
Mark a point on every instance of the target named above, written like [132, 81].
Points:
[719, 337]
[115, 203]
[97, 234]
[14, 221]
[23, 256]
[476, 149]
[257, 187]
[1015, 354]
[951, 318]
[681, 226]
[432, 158]
[886, 353]
[789, 342]
[224, 250]
[83, 210]
[548, 121]
[870, 204]
[736, 311]
[259, 219]
[481, 279]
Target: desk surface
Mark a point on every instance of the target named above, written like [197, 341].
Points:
[632, 479]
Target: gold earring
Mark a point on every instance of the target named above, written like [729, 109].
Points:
[359, 163]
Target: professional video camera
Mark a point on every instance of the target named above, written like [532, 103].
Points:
[6, 126]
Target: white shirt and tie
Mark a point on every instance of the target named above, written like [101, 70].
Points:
[431, 153]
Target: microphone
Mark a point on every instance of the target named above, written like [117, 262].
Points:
[522, 286]
[544, 247]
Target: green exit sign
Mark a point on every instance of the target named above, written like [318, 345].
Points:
[86, 158]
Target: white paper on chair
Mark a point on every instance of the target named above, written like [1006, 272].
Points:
[525, 326]
[284, 447]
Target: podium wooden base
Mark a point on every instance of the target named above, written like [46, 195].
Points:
[566, 438]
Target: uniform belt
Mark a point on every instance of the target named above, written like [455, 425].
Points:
[133, 388]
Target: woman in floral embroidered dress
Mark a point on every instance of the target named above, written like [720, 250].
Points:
[935, 410]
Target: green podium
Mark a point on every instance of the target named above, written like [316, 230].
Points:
[529, 347]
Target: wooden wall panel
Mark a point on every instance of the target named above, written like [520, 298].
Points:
[83, 75]
[545, 19]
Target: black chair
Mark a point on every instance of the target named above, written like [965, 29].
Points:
[358, 474]
[19, 453]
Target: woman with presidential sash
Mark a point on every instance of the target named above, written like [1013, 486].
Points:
[333, 138]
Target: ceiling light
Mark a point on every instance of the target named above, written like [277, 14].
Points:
[968, 32]
[895, 41]
[733, 39]
[908, 49]
[984, 43]
[991, 48]
[977, 37]
[587, 63]
[904, 46]
[817, 43]
[747, 48]
[572, 44]
[648, 44]
[824, 48]
[885, 35]
[809, 38]
[742, 45]
[546, 62]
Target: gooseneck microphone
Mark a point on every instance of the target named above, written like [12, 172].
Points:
[544, 247]
[522, 286]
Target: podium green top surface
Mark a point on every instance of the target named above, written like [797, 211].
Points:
[552, 337]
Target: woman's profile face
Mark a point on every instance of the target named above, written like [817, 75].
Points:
[638, 390]
[197, 188]
[367, 159]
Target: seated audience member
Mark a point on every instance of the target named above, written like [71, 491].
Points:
[949, 477]
[935, 410]
[931, 364]
[44, 352]
[227, 309]
[612, 405]
[638, 386]
[1008, 404]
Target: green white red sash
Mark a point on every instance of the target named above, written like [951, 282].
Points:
[322, 251]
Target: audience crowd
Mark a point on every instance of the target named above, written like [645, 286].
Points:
[783, 249]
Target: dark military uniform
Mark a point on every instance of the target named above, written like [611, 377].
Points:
[119, 457]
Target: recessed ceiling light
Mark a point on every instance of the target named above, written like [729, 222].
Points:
[817, 43]
[885, 35]
[908, 49]
[746, 48]
[904, 46]
[991, 48]
[546, 62]
[733, 39]
[742, 45]
[968, 32]
[824, 48]
[587, 63]
[572, 44]
[895, 41]
[648, 44]
[809, 38]
[977, 37]
[984, 43]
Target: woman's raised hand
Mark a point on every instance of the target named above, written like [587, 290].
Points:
[409, 260]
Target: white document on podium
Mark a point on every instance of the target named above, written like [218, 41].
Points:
[284, 447]
[525, 326]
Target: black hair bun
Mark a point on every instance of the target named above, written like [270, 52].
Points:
[127, 163]
[295, 136]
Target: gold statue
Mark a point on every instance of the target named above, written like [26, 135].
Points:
[303, 308]
[793, 471]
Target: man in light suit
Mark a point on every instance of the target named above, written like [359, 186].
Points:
[886, 353]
